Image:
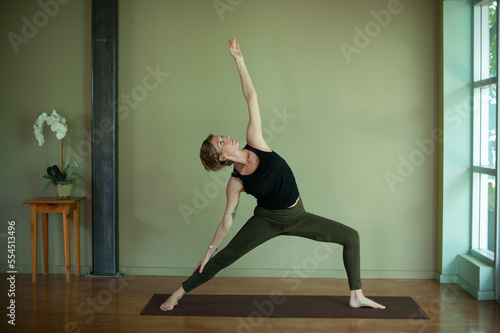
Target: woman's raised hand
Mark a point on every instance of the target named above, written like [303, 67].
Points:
[234, 49]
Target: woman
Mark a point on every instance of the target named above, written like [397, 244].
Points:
[259, 171]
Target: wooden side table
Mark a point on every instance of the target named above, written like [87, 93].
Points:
[45, 205]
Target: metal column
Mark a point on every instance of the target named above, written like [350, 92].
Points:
[104, 138]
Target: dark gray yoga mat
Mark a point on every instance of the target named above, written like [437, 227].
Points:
[284, 306]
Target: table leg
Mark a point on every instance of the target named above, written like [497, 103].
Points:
[76, 237]
[34, 241]
[45, 240]
[66, 229]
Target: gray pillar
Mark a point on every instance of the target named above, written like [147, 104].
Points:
[104, 134]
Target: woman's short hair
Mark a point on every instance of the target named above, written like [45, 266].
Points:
[210, 157]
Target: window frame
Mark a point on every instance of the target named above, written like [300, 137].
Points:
[479, 169]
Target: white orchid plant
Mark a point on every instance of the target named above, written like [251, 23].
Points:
[55, 121]
[58, 125]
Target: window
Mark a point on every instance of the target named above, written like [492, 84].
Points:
[484, 166]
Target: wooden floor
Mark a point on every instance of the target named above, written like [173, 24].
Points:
[114, 305]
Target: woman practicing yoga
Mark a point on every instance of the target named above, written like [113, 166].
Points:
[261, 172]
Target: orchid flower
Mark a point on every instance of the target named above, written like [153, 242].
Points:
[55, 121]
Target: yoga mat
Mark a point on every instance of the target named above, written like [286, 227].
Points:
[284, 306]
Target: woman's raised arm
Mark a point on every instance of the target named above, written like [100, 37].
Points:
[254, 129]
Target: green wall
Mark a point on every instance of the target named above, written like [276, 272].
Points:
[352, 112]
[45, 65]
[456, 214]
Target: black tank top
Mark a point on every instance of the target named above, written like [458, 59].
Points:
[272, 183]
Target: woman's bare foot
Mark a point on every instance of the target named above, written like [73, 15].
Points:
[358, 300]
[171, 302]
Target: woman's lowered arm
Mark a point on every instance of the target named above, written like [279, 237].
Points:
[233, 190]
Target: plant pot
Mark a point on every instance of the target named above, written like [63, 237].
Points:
[64, 188]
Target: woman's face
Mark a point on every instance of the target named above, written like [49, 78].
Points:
[224, 145]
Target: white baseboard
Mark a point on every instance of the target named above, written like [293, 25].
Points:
[473, 271]
[280, 273]
[53, 269]
[446, 278]
[241, 272]
[480, 295]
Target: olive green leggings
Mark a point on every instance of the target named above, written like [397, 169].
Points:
[267, 224]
